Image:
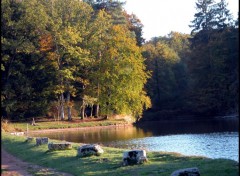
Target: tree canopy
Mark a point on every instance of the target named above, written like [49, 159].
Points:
[90, 58]
[64, 51]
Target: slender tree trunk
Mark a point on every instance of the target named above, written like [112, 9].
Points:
[83, 111]
[69, 113]
[98, 88]
[96, 110]
[97, 106]
[58, 110]
[61, 98]
[157, 79]
[62, 106]
[69, 109]
[91, 111]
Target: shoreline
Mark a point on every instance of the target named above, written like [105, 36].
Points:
[80, 128]
[128, 124]
[54, 159]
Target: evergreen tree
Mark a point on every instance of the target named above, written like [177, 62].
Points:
[211, 15]
[22, 24]
[205, 16]
[134, 24]
[113, 7]
[223, 15]
[209, 62]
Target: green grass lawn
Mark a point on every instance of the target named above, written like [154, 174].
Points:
[159, 163]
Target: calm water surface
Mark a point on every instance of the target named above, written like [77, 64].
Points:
[211, 138]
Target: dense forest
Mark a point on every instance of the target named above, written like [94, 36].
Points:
[73, 58]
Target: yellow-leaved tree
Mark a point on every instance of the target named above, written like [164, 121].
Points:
[121, 75]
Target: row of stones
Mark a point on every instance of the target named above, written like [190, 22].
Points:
[129, 157]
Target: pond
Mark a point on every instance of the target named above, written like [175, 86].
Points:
[218, 138]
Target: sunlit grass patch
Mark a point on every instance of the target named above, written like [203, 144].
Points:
[23, 126]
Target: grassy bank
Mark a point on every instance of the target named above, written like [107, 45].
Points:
[51, 124]
[159, 163]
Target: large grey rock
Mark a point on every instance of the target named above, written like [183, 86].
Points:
[194, 171]
[89, 149]
[59, 146]
[41, 140]
[134, 157]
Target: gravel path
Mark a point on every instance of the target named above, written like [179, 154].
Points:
[12, 166]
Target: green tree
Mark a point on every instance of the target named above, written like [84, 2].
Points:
[209, 64]
[223, 15]
[211, 15]
[57, 50]
[212, 72]
[69, 26]
[160, 60]
[167, 58]
[96, 44]
[22, 24]
[204, 19]
[122, 75]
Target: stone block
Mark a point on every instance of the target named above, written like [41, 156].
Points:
[59, 146]
[29, 139]
[41, 140]
[134, 157]
[17, 133]
[194, 171]
[89, 149]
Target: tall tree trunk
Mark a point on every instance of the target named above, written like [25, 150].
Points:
[69, 108]
[96, 110]
[83, 111]
[91, 111]
[98, 88]
[158, 82]
[61, 107]
[97, 106]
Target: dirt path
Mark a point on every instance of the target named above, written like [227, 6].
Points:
[12, 166]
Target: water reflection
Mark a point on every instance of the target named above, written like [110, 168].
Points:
[98, 135]
[191, 126]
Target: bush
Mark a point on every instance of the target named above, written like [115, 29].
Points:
[6, 126]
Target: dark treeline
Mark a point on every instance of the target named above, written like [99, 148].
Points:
[197, 74]
[89, 58]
